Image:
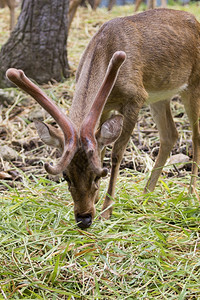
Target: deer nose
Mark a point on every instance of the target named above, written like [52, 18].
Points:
[84, 221]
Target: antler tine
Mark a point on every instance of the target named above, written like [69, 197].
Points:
[87, 133]
[19, 78]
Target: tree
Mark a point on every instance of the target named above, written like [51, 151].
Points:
[38, 43]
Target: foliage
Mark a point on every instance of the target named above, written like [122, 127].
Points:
[148, 250]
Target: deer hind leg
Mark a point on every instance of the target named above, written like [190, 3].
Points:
[162, 116]
[193, 111]
[130, 113]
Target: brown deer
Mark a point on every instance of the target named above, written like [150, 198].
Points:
[11, 5]
[157, 55]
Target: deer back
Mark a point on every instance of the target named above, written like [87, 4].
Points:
[162, 49]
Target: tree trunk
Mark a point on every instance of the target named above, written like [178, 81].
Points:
[38, 43]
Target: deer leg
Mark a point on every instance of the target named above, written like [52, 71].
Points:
[111, 4]
[11, 5]
[151, 4]
[163, 3]
[137, 4]
[2, 3]
[162, 116]
[12, 18]
[193, 111]
[73, 5]
[130, 118]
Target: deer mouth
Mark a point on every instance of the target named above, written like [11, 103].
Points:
[84, 221]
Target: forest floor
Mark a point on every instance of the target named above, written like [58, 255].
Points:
[150, 247]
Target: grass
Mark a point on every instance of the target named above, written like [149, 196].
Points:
[149, 249]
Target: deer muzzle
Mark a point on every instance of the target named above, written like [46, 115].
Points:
[84, 221]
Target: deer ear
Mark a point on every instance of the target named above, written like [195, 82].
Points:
[50, 135]
[110, 131]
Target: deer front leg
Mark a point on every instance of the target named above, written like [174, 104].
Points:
[162, 116]
[130, 118]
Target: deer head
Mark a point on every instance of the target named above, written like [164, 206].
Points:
[81, 151]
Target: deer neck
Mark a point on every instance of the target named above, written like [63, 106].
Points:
[87, 86]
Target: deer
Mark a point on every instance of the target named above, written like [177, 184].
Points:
[11, 5]
[132, 61]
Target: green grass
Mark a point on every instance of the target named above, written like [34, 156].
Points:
[149, 249]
